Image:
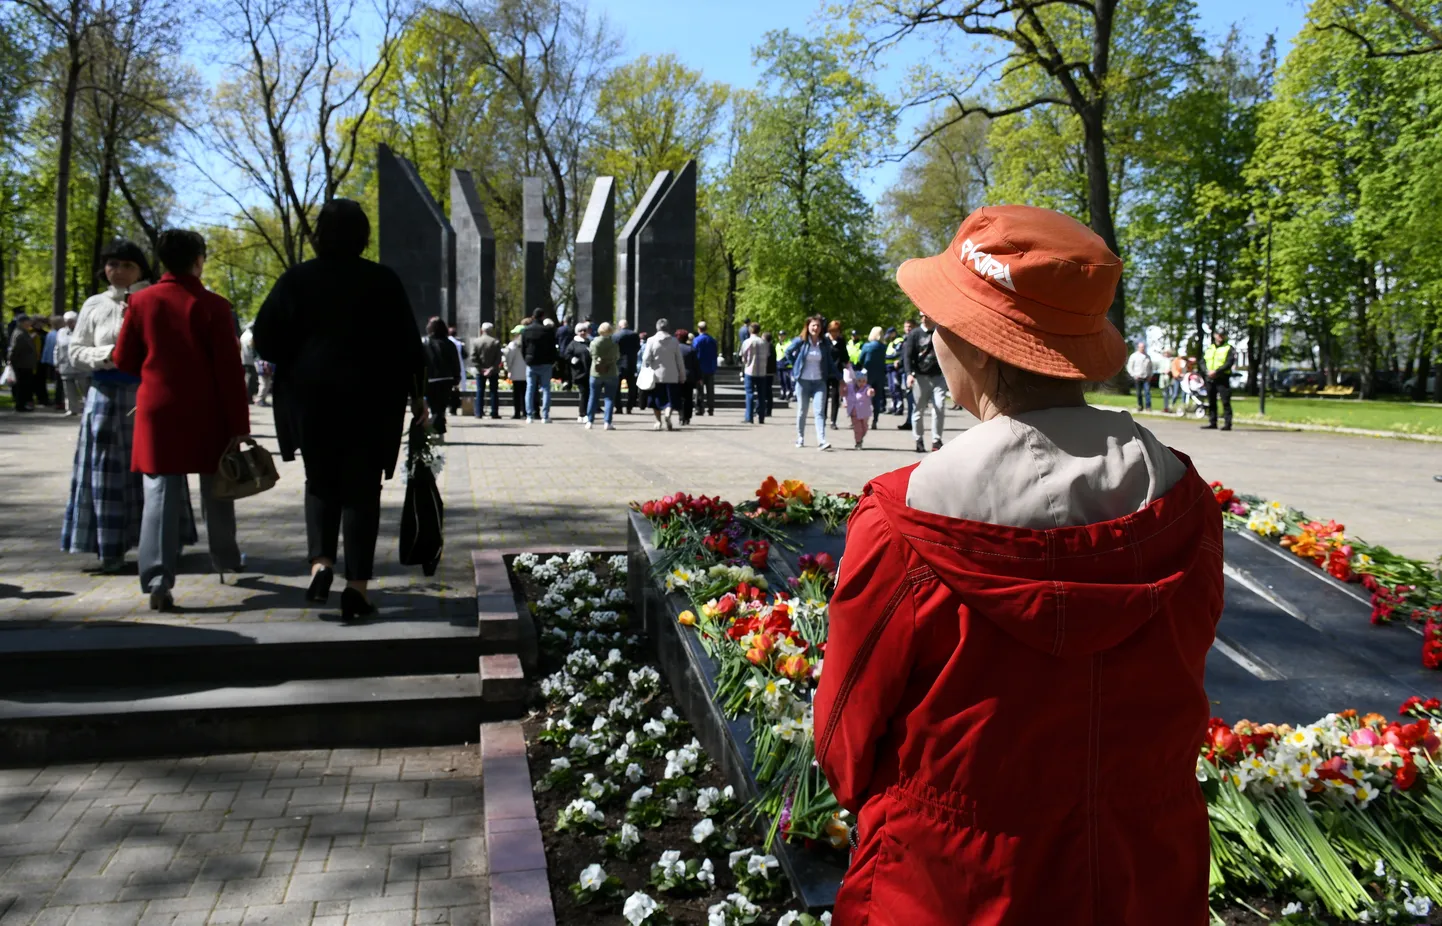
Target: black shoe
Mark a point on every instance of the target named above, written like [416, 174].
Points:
[353, 605]
[904, 426]
[1209, 427]
[319, 589]
[935, 445]
[1226, 427]
[1437, 478]
[920, 446]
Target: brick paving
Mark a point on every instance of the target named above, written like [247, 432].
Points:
[362, 837]
[397, 836]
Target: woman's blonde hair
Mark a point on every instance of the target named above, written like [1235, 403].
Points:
[875, 334]
[604, 331]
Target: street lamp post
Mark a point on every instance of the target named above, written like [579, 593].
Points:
[1266, 320]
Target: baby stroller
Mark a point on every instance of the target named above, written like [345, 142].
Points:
[1194, 395]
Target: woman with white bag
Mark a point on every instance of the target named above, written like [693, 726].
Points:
[661, 373]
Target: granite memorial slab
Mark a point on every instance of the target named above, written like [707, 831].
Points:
[536, 289]
[475, 257]
[415, 239]
[596, 255]
[665, 257]
[626, 247]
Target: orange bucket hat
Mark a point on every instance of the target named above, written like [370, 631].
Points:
[1031, 287]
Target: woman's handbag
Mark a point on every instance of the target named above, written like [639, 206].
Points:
[246, 468]
[7, 378]
[646, 376]
[423, 518]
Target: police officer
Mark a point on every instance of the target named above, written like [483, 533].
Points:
[1217, 362]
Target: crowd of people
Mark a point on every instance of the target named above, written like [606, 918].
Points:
[1184, 382]
[672, 374]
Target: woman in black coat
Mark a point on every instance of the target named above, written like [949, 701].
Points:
[347, 356]
[443, 371]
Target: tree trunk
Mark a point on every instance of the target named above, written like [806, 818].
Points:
[1099, 192]
[62, 182]
[102, 213]
[1254, 356]
[1366, 337]
[728, 331]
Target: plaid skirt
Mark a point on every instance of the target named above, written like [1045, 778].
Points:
[106, 499]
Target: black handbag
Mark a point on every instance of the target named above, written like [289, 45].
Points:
[424, 515]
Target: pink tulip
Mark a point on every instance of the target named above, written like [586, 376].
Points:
[1365, 737]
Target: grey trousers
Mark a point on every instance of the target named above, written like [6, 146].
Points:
[76, 387]
[160, 530]
[929, 390]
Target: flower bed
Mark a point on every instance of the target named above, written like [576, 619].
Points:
[1401, 588]
[1311, 813]
[638, 823]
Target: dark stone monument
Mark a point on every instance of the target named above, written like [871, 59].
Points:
[475, 257]
[415, 239]
[536, 288]
[665, 257]
[626, 246]
[596, 255]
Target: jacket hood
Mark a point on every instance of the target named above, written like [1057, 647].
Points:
[1068, 591]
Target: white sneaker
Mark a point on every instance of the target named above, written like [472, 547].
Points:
[588, 424]
[610, 427]
[824, 446]
[580, 418]
[530, 421]
[656, 426]
[669, 425]
[801, 442]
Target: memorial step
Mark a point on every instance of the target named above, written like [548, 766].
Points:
[59, 656]
[41, 727]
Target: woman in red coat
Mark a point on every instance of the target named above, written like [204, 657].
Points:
[1012, 701]
[180, 339]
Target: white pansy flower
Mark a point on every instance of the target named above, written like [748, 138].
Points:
[593, 878]
[707, 799]
[638, 908]
[761, 865]
[703, 831]
[1288, 910]
[561, 764]
[642, 793]
[654, 729]
[634, 773]
[630, 836]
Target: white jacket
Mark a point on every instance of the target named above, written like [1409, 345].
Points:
[97, 328]
[514, 360]
[1139, 366]
[63, 366]
[662, 353]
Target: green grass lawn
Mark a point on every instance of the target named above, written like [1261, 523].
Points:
[1378, 415]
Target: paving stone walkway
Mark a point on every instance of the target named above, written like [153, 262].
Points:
[328, 838]
[377, 837]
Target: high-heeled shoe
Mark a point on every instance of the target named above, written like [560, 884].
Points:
[320, 581]
[353, 605]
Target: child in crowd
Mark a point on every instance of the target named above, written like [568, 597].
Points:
[858, 401]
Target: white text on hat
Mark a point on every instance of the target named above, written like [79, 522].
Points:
[986, 265]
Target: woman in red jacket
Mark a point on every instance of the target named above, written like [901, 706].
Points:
[180, 339]
[1012, 702]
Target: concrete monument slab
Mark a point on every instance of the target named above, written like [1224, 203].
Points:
[415, 239]
[596, 255]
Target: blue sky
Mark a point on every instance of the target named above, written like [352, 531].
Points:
[716, 38]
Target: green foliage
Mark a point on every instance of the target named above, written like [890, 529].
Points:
[809, 232]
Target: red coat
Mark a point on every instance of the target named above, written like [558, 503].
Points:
[179, 338]
[1015, 714]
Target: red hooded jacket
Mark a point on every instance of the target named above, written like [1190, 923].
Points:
[1015, 714]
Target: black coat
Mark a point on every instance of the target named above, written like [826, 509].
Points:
[442, 360]
[691, 364]
[347, 355]
[630, 344]
[578, 358]
[538, 345]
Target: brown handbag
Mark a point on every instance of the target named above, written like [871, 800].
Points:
[246, 468]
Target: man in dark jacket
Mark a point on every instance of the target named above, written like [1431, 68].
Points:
[486, 357]
[630, 344]
[538, 347]
[923, 377]
[706, 357]
[24, 362]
